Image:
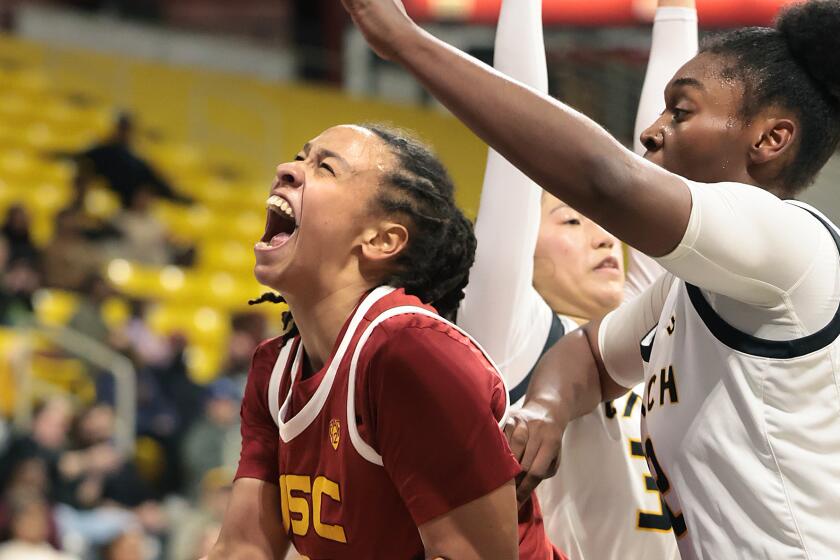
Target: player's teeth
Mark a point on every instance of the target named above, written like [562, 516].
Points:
[280, 204]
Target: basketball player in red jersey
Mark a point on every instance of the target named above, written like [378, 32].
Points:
[371, 430]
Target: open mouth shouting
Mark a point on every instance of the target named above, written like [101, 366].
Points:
[280, 226]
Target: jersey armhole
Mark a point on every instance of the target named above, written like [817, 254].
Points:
[362, 447]
[754, 346]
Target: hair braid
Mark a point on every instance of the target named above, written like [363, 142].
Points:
[436, 262]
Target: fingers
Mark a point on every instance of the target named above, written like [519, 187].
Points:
[516, 431]
[544, 466]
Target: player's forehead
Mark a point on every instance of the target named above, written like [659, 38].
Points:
[708, 76]
[360, 148]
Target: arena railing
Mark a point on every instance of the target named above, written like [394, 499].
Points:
[89, 350]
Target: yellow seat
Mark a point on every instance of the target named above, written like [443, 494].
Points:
[31, 82]
[226, 255]
[204, 363]
[10, 341]
[115, 312]
[18, 165]
[133, 279]
[53, 372]
[17, 109]
[55, 307]
[101, 202]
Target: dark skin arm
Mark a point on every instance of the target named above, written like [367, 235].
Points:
[570, 381]
[560, 149]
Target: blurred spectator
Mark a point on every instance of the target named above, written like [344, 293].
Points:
[102, 491]
[46, 440]
[95, 471]
[129, 545]
[90, 225]
[144, 237]
[16, 230]
[248, 329]
[28, 476]
[70, 259]
[198, 528]
[148, 349]
[30, 529]
[214, 440]
[18, 284]
[88, 317]
[125, 171]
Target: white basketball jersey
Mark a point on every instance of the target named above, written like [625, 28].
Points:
[743, 434]
[603, 503]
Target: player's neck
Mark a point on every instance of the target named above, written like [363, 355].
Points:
[320, 316]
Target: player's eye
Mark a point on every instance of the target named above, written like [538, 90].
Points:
[328, 168]
[571, 222]
[299, 157]
[679, 115]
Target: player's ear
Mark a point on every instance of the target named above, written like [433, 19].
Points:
[384, 242]
[776, 138]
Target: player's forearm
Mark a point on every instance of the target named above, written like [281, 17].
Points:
[570, 380]
[560, 149]
[252, 528]
[501, 279]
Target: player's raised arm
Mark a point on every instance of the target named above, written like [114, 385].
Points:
[501, 308]
[673, 43]
[560, 149]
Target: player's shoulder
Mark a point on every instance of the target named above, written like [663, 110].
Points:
[415, 343]
[410, 332]
[264, 357]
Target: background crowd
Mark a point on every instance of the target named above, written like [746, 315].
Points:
[66, 484]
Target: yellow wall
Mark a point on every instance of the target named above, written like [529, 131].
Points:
[240, 120]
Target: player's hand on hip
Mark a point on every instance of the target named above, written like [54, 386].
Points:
[384, 23]
[535, 438]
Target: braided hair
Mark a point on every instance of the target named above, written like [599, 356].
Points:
[434, 266]
[796, 66]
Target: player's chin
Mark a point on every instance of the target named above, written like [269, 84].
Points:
[270, 274]
[609, 295]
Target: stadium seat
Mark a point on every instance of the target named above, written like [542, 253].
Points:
[55, 308]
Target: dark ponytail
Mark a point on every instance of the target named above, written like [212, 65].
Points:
[795, 65]
[435, 264]
[812, 31]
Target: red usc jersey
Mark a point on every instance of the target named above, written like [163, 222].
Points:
[399, 427]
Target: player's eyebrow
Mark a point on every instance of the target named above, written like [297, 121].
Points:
[688, 82]
[558, 207]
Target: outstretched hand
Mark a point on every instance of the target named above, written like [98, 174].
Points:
[384, 24]
[535, 438]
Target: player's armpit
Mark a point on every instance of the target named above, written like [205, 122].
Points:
[252, 528]
[483, 528]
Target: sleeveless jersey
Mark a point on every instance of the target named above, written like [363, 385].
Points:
[603, 503]
[742, 434]
[337, 499]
